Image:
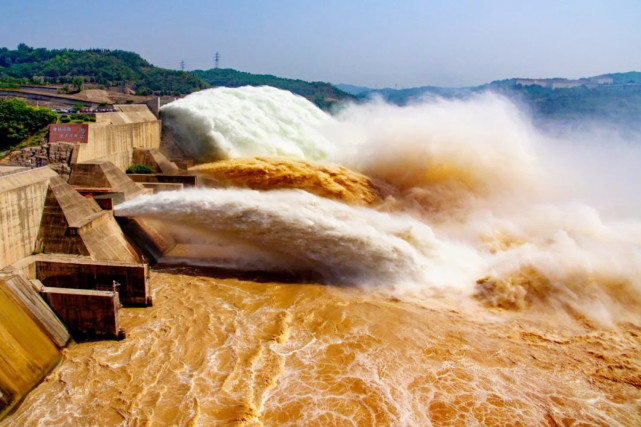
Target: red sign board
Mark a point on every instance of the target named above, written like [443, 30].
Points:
[68, 132]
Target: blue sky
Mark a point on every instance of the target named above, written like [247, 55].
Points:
[373, 43]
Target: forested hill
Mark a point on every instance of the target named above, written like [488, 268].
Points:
[321, 94]
[105, 68]
[98, 66]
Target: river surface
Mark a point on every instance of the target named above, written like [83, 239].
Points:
[225, 351]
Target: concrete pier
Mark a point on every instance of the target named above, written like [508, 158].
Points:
[87, 313]
[157, 187]
[79, 272]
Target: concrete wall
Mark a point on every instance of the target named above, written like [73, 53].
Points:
[105, 241]
[40, 211]
[115, 142]
[64, 212]
[87, 313]
[82, 273]
[30, 340]
[22, 200]
[128, 113]
[72, 224]
[153, 158]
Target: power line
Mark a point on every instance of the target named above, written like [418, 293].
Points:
[216, 60]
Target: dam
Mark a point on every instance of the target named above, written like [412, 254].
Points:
[439, 298]
[66, 267]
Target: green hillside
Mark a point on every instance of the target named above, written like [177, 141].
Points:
[27, 65]
[102, 67]
[322, 94]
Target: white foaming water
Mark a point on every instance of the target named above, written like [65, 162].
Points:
[544, 219]
[306, 233]
[555, 220]
[224, 123]
[483, 144]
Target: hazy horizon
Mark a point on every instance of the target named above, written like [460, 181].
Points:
[374, 44]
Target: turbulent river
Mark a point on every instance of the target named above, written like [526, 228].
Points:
[229, 351]
[447, 264]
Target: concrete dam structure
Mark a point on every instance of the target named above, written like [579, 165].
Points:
[61, 259]
[65, 265]
[113, 137]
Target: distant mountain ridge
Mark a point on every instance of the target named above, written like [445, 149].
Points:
[611, 98]
[628, 78]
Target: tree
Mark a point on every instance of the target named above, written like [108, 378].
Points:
[78, 81]
[18, 121]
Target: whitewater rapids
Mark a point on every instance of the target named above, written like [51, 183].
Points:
[217, 351]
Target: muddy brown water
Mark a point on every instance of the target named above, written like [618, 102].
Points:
[226, 351]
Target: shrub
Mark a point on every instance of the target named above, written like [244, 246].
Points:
[139, 169]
